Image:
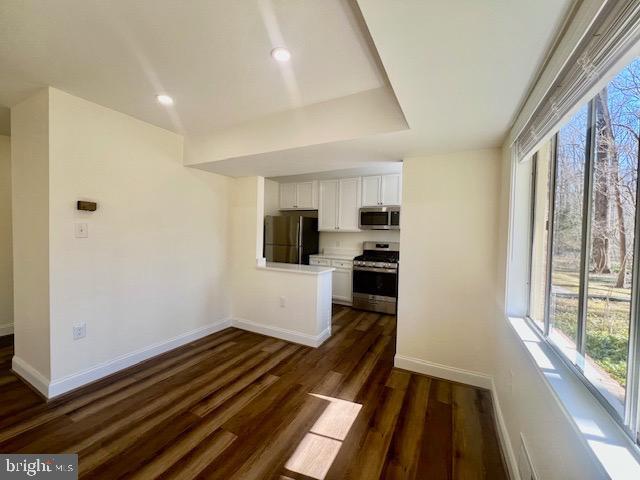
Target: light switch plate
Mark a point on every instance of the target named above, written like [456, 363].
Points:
[81, 230]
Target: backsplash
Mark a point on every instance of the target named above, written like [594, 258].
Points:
[352, 242]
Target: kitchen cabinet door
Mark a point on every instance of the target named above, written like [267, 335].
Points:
[305, 195]
[391, 190]
[341, 285]
[348, 204]
[371, 191]
[288, 195]
[328, 205]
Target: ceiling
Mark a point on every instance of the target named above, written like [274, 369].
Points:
[370, 81]
[371, 168]
[211, 56]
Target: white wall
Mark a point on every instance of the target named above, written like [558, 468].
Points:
[30, 216]
[257, 292]
[454, 238]
[6, 254]
[170, 249]
[527, 403]
[271, 197]
[154, 268]
[352, 241]
[447, 286]
[155, 264]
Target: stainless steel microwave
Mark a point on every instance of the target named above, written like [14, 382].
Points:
[379, 218]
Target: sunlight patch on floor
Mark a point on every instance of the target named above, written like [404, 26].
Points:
[318, 449]
[314, 456]
[337, 418]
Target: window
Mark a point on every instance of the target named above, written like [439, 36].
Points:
[583, 295]
[570, 169]
[542, 173]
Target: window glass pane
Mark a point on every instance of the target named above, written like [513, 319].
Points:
[567, 232]
[539, 254]
[612, 234]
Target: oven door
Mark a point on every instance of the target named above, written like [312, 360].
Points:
[374, 219]
[381, 282]
[375, 289]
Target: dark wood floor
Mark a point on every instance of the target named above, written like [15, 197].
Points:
[241, 405]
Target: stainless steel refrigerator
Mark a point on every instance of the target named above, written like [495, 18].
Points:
[290, 239]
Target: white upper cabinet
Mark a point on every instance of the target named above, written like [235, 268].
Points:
[381, 190]
[287, 195]
[339, 201]
[298, 196]
[391, 190]
[305, 195]
[348, 204]
[371, 191]
[328, 205]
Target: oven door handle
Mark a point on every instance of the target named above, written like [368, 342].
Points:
[375, 269]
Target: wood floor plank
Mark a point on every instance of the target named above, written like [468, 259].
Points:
[204, 429]
[164, 407]
[467, 435]
[436, 453]
[201, 457]
[493, 457]
[371, 456]
[109, 400]
[402, 460]
[109, 421]
[44, 413]
[238, 405]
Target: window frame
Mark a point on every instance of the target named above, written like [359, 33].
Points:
[630, 420]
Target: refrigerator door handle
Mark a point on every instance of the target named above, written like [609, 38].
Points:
[300, 245]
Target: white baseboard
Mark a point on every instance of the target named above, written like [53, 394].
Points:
[51, 389]
[71, 382]
[453, 374]
[503, 435]
[346, 303]
[476, 379]
[30, 375]
[6, 329]
[283, 334]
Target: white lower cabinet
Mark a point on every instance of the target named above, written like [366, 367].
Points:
[341, 285]
[342, 279]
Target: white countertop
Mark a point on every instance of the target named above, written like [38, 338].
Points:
[294, 268]
[335, 256]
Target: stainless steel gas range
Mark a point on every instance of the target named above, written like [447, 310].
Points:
[375, 277]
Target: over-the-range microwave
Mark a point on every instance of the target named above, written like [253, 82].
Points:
[380, 218]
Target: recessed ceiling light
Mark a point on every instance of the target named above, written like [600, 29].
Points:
[281, 54]
[165, 99]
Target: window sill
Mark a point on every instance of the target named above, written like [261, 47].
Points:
[610, 445]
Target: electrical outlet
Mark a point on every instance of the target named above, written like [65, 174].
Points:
[79, 331]
[283, 302]
[81, 230]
